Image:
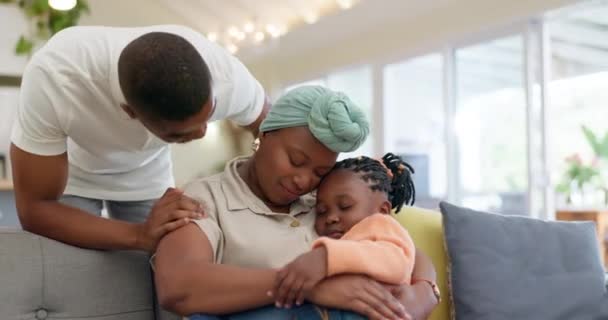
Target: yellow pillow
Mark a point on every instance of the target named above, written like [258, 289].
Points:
[426, 229]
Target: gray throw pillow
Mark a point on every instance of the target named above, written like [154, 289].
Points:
[514, 267]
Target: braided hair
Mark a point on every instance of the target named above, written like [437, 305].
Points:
[397, 184]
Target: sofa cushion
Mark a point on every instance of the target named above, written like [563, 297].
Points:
[425, 229]
[514, 267]
[42, 278]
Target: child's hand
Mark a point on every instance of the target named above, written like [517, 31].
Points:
[295, 281]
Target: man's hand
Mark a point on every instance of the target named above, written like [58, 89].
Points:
[296, 280]
[172, 211]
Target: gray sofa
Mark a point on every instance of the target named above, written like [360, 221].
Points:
[45, 279]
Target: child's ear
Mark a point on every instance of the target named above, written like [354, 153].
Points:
[385, 207]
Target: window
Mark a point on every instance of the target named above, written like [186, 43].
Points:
[357, 85]
[490, 124]
[414, 120]
[577, 90]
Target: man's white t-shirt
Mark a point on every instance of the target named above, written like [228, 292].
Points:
[71, 100]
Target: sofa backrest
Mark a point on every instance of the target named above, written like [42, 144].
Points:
[426, 229]
[41, 278]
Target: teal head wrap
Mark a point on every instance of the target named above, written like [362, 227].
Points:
[331, 117]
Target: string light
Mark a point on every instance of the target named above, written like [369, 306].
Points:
[345, 4]
[259, 36]
[253, 32]
[232, 48]
[311, 17]
[249, 27]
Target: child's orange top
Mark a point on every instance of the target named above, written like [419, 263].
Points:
[377, 246]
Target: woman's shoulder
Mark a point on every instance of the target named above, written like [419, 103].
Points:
[201, 183]
[201, 188]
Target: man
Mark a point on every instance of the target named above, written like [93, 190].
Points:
[97, 110]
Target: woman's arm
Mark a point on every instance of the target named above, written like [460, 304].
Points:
[419, 299]
[189, 282]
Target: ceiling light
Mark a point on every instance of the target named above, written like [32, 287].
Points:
[62, 5]
[345, 4]
[212, 36]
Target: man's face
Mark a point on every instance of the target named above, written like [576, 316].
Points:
[192, 128]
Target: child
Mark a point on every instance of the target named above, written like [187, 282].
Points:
[358, 235]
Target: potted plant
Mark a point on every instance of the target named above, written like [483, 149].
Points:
[581, 178]
[45, 21]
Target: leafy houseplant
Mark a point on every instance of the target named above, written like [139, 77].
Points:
[580, 175]
[577, 175]
[45, 21]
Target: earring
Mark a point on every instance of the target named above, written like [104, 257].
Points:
[255, 144]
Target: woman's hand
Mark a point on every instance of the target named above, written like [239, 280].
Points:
[418, 299]
[359, 294]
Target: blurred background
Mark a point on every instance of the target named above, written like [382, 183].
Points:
[499, 105]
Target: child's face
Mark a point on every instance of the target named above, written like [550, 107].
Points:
[344, 199]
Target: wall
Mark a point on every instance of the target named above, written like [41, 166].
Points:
[393, 40]
[12, 24]
[132, 13]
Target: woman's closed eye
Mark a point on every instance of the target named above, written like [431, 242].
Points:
[296, 162]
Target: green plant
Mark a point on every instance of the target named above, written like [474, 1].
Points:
[46, 20]
[578, 174]
[599, 145]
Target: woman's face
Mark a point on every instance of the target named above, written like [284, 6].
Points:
[290, 163]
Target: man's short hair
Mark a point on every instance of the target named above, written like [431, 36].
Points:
[163, 75]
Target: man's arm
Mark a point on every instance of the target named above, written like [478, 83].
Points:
[39, 183]
[254, 127]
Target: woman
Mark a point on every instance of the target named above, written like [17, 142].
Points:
[261, 218]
